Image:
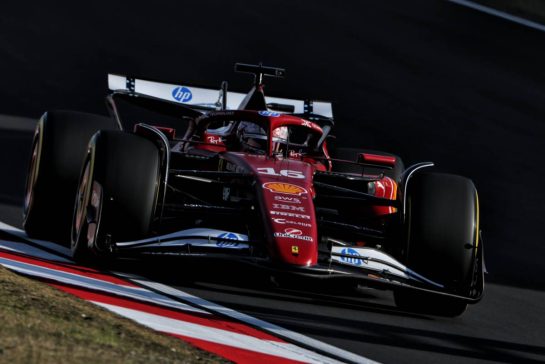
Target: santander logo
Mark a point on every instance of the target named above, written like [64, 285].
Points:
[293, 231]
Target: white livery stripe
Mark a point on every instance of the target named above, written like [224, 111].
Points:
[223, 337]
[208, 97]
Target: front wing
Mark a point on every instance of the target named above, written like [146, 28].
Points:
[366, 266]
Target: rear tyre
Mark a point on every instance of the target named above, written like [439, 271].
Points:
[58, 148]
[351, 154]
[117, 193]
[443, 227]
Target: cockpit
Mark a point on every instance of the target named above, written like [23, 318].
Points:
[286, 139]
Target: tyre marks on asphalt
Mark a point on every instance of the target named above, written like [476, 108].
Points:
[209, 326]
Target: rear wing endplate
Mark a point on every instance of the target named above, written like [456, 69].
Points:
[213, 98]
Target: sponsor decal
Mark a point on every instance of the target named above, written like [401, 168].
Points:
[290, 236]
[268, 113]
[214, 139]
[228, 243]
[287, 199]
[231, 167]
[282, 221]
[289, 214]
[294, 154]
[353, 261]
[288, 207]
[220, 113]
[307, 124]
[293, 231]
[282, 173]
[285, 188]
[182, 94]
[295, 250]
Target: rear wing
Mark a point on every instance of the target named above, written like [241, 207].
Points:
[214, 98]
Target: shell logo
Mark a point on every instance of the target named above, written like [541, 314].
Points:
[287, 188]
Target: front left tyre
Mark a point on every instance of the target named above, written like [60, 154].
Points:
[58, 147]
[117, 193]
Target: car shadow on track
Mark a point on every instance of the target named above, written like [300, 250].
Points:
[343, 312]
[354, 328]
[221, 280]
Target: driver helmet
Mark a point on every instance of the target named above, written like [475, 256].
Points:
[252, 137]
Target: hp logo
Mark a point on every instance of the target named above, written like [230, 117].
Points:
[271, 114]
[182, 94]
[225, 243]
[353, 261]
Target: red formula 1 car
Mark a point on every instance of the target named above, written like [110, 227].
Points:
[251, 179]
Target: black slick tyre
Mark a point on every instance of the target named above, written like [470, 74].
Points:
[117, 193]
[58, 148]
[443, 232]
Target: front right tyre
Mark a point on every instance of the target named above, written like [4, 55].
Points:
[442, 241]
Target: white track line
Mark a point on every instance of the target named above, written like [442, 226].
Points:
[219, 336]
[77, 280]
[255, 322]
[46, 244]
[32, 251]
[74, 279]
[167, 324]
[499, 14]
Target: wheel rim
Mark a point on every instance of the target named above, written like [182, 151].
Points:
[32, 174]
[82, 198]
[93, 215]
[31, 180]
[87, 210]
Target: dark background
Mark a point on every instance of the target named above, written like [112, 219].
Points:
[425, 79]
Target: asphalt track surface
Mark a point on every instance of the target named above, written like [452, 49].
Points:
[428, 80]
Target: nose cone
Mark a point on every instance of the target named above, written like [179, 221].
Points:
[285, 195]
[288, 209]
[295, 246]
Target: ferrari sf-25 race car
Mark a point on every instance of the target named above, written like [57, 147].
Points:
[250, 179]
